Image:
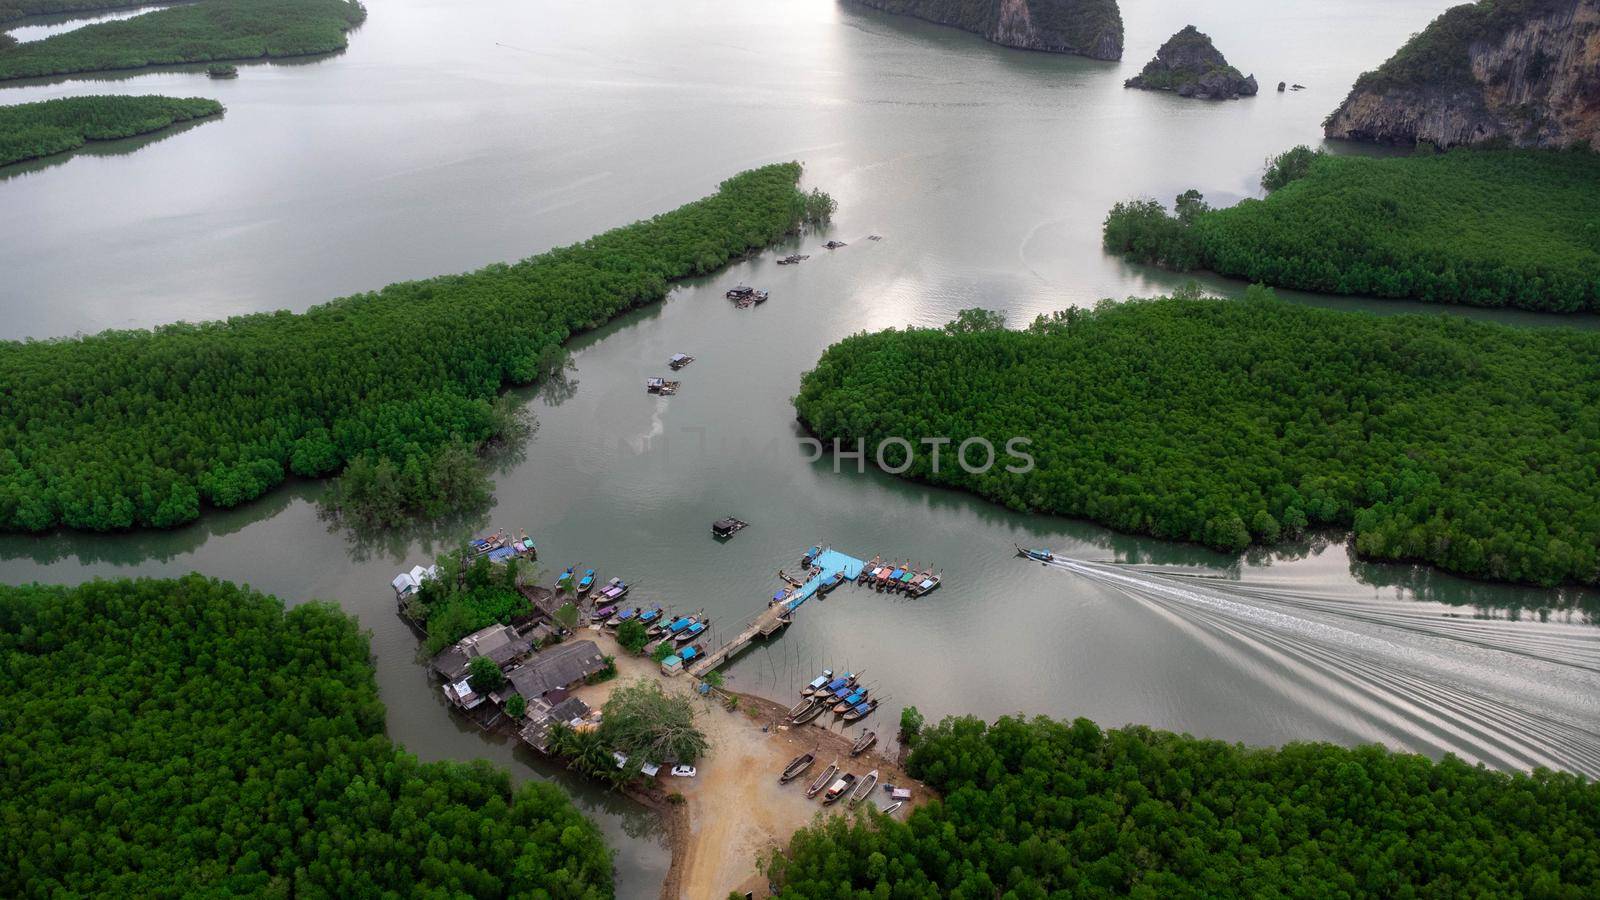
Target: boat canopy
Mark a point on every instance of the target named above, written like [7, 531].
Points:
[499, 554]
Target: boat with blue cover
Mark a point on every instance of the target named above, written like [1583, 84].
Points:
[649, 616]
[585, 582]
[850, 701]
[927, 583]
[817, 682]
[623, 615]
[693, 631]
[666, 626]
[861, 711]
[810, 556]
[1040, 555]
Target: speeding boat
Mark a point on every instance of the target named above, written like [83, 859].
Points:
[1040, 555]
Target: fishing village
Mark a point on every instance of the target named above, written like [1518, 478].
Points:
[546, 674]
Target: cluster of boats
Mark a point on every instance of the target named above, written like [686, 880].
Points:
[744, 296]
[844, 696]
[659, 385]
[502, 546]
[834, 784]
[899, 578]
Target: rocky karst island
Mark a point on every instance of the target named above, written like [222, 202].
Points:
[1191, 66]
[1522, 74]
[1091, 28]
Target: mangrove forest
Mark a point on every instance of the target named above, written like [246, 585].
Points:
[1466, 445]
[191, 33]
[139, 428]
[1478, 227]
[1039, 808]
[32, 130]
[192, 738]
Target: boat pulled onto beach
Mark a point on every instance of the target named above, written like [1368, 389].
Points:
[823, 780]
[797, 767]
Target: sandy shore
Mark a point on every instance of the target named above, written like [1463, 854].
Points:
[737, 812]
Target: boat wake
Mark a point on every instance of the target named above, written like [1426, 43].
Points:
[1511, 694]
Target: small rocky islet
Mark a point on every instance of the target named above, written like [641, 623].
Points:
[1189, 65]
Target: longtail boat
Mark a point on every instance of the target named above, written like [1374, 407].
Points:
[623, 615]
[648, 616]
[1040, 555]
[817, 682]
[585, 582]
[864, 789]
[927, 584]
[690, 654]
[864, 743]
[861, 711]
[564, 583]
[614, 590]
[693, 631]
[827, 586]
[677, 628]
[797, 767]
[665, 625]
[810, 556]
[839, 788]
[603, 613]
[798, 708]
[823, 780]
[810, 713]
[845, 704]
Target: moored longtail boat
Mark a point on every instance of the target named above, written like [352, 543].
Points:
[819, 681]
[623, 615]
[693, 631]
[864, 743]
[798, 708]
[649, 616]
[850, 701]
[665, 625]
[797, 767]
[861, 711]
[823, 780]
[840, 787]
[602, 614]
[810, 713]
[810, 556]
[585, 582]
[928, 583]
[864, 789]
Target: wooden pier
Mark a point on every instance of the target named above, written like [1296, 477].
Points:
[781, 613]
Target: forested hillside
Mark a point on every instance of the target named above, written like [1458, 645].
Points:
[30, 130]
[137, 428]
[1438, 439]
[190, 738]
[190, 33]
[1041, 808]
[1486, 228]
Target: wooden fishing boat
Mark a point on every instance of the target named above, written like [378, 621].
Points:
[810, 556]
[649, 616]
[565, 582]
[827, 586]
[690, 654]
[865, 574]
[623, 615]
[840, 787]
[864, 743]
[728, 527]
[861, 711]
[663, 625]
[810, 713]
[926, 584]
[797, 767]
[585, 582]
[798, 708]
[908, 581]
[849, 701]
[817, 682]
[613, 592]
[693, 631]
[678, 361]
[1040, 555]
[864, 789]
[603, 614]
[823, 780]
[894, 807]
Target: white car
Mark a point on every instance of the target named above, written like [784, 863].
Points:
[684, 771]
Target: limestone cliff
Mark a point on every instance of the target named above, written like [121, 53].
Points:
[1519, 72]
[1190, 65]
[1090, 28]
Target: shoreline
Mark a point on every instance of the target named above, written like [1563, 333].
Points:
[734, 812]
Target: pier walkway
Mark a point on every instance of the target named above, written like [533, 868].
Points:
[831, 562]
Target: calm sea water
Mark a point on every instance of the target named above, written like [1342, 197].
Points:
[447, 137]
